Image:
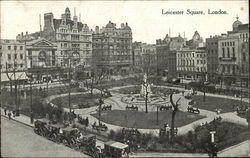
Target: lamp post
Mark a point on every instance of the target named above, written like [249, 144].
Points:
[213, 145]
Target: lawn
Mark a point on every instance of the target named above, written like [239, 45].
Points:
[137, 119]
[212, 103]
[85, 99]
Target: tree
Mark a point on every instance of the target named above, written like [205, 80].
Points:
[16, 82]
[174, 110]
[97, 75]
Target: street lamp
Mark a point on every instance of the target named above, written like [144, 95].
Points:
[213, 145]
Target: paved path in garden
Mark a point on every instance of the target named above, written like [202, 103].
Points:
[238, 150]
[116, 103]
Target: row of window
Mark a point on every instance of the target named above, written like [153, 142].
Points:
[186, 55]
[15, 56]
[244, 35]
[13, 47]
[228, 52]
[73, 45]
[192, 69]
[212, 43]
[190, 62]
[228, 43]
[30, 53]
[9, 66]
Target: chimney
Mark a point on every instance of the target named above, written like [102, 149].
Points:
[97, 29]
[126, 24]
[21, 34]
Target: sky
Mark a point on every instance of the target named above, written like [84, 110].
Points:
[145, 18]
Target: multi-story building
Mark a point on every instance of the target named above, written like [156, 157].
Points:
[137, 56]
[234, 55]
[192, 64]
[72, 37]
[148, 56]
[41, 59]
[12, 62]
[112, 49]
[212, 57]
[166, 54]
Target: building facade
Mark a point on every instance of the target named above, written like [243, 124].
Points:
[148, 57]
[112, 49]
[73, 40]
[234, 56]
[12, 61]
[192, 64]
[137, 56]
[212, 57]
[166, 54]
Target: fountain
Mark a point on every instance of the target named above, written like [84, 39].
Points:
[145, 88]
[139, 99]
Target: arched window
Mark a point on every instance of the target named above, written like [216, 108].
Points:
[42, 56]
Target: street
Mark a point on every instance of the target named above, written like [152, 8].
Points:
[18, 140]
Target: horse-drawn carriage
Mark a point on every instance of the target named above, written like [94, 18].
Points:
[113, 149]
[69, 136]
[40, 127]
[193, 110]
[132, 107]
[82, 120]
[130, 131]
[106, 107]
[100, 127]
[241, 110]
[165, 107]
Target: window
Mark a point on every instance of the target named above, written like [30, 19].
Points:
[9, 57]
[228, 52]
[222, 43]
[9, 65]
[21, 47]
[9, 47]
[21, 65]
[223, 52]
[53, 52]
[15, 47]
[30, 53]
[21, 56]
[15, 56]
[244, 56]
[223, 68]
[233, 69]
[233, 52]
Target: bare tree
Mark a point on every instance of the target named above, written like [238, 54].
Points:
[174, 111]
[16, 82]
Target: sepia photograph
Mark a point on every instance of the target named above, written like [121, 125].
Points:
[124, 78]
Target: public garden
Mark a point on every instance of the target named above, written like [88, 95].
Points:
[148, 109]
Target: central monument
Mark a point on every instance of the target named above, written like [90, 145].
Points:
[145, 88]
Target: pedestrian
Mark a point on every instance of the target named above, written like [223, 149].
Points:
[14, 113]
[5, 111]
[9, 114]
[87, 121]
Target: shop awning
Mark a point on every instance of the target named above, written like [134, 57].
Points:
[19, 76]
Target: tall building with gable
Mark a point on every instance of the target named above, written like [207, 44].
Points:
[72, 38]
[112, 49]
